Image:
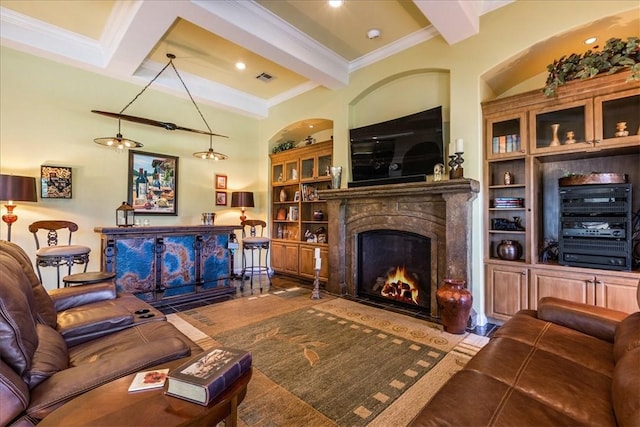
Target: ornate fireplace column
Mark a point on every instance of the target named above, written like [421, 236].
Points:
[439, 210]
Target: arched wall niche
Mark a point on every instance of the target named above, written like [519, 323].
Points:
[386, 100]
[317, 128]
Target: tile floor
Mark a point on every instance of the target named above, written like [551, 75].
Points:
[283, 282]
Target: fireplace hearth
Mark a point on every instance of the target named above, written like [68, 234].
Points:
[394, 267]
[435, 216]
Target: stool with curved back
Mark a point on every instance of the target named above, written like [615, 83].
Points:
[55, 255]
[253, 241]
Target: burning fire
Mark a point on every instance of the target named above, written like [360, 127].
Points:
[399, 286]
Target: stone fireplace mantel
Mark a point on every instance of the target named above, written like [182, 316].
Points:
[439, 210]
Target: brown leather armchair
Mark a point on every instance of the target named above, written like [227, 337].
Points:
[54, 347]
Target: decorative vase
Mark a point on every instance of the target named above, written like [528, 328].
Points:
[571, 137]
[510, 250]
[621, 128]
[454, 301]
[336, 176]
[508, 178]
[283, 195]
[318, 215]
[554, 140]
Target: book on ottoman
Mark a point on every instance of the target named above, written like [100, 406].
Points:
[208, 374]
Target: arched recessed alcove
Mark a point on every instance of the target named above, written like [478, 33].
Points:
[395, 96]
[298, 132]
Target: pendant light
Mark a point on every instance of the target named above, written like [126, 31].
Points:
[121, 143]
[210, 154]
[118, 141]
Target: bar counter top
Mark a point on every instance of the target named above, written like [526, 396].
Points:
[138, 229]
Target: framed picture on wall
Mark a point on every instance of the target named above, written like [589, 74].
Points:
[221, 198]
[221, 182]
[152, 187]
[55, 182]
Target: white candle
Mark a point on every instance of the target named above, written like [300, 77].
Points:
[318, 263]
[459, 146]
[452, 148]
[316, 253]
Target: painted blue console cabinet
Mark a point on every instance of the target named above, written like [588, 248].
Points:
[168, 263]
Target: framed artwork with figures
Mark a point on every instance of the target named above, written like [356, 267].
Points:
[221, 198]
[152, 187]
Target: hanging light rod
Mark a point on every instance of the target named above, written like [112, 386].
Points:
[150, 122]
[121, 143]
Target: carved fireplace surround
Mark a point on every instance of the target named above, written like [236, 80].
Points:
[440, 211]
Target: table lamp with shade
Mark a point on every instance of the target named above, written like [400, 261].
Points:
[14, 188]
[243, 200]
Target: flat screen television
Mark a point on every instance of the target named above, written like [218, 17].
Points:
[400, 150]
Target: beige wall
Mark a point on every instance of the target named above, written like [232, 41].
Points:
[505, 33]
[45, 119]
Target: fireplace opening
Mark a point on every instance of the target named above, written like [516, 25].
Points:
[394, 267]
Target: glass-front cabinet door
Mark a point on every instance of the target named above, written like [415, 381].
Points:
[569, 128]
[617, 118]
[315, 167]
[277, 173]
[505, 136]
[291, 171]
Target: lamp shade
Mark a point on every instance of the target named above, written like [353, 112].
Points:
[18, 188]
[242, 199]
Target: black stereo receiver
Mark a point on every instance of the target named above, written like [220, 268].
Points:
[595, 226]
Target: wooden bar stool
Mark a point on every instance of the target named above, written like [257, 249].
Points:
[253, 241]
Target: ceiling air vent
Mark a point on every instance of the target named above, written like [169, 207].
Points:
[264, 77]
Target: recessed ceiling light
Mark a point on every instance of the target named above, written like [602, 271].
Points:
[373, 33]
[335, 3]
[591, 40]
[240, 65]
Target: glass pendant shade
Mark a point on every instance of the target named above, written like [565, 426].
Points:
[118, 142]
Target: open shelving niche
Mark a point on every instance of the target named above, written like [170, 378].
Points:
[299, 221]
[518, 137]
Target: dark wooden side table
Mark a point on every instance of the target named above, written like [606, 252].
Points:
[112, 405]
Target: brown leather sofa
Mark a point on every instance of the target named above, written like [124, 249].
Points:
[566, 364]
[57, 345]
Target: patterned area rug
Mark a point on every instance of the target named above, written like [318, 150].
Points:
[332, 361]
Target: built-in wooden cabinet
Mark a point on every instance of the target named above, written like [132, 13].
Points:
[284, 257]
[507, 291]
[299, 218]
[523, 163]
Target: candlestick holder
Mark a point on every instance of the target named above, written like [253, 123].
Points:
[316, 285]
[455, 164]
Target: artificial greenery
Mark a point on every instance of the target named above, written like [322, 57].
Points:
[616, 55]
[283, 146]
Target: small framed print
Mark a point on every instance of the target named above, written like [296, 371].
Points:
[221, 182]
[55, 182]
[221, 198]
